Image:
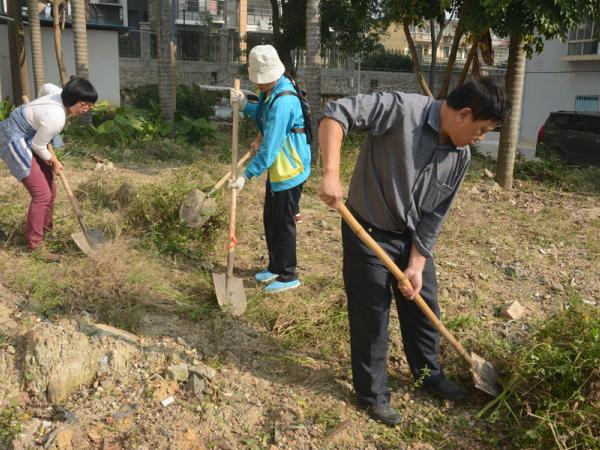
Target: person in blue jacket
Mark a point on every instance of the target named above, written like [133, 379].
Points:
[285, 153]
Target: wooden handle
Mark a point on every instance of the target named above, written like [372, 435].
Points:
[232, 215]
[399, 275]
[227, 176]
[72, 199]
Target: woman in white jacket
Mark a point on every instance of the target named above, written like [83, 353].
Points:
[24, 139]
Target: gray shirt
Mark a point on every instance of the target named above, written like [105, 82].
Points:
[404, 178]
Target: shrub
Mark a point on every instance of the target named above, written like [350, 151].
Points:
[191, 101]
[6, 108]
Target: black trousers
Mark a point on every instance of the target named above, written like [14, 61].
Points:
[280, 230]
[369, 287]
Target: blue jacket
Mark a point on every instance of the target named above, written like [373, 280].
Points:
[284, 153]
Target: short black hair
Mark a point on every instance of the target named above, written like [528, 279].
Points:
[78, 90]
[486, 99]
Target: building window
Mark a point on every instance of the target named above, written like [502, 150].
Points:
[193, 5]
[259, 11]
[584, 39]
[587, 103]
[446, 52]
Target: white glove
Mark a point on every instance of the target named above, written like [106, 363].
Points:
[239, 183]
[238, 97]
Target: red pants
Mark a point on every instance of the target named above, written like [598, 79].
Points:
[42, 188]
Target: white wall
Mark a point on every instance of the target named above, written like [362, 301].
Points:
[552, 84]
[103, 57]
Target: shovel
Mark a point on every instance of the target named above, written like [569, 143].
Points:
[485, 376]
[198, 207]
[229, 289]
[87, 240]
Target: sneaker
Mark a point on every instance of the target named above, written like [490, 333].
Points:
[445, 390]
[298, 218]
[385, 414]
[280, 286]
[264, 276]
[43, 254]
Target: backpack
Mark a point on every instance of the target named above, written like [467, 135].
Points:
[303, 97]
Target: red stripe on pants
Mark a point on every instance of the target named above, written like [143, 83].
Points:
[42, 188]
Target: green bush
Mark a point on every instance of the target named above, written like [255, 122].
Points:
[387, 61]
[6, 108]
[191, 101]
[559, 174]
[554, 396]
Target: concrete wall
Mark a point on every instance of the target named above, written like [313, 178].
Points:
[103, 56]
[552, 84]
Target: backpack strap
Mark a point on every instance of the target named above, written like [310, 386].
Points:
[279, 94]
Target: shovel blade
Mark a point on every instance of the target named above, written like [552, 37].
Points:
[485, 376]
[196, 209]
[231, 295]
[88, 246]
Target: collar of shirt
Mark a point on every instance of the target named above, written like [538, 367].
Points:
[433, 120]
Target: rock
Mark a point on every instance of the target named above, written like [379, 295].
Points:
[58, 362]
[23, 399]
[346, 435]
[420, 446]
[63, 415]
[513, 311]
[496, 188]
[60, 439]
[123, 418]
[488, 173]
[204, 371]
[196, 386]
[167, 401]
[26, 437]
[251, 418]
[178, 372]
[473, 191]
[8, 326]
[107, 330]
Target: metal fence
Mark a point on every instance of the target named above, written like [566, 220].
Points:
[129, 44]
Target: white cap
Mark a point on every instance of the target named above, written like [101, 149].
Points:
[264, 65]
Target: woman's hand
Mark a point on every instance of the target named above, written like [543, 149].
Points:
[55, 164]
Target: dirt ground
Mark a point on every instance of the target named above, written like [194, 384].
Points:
[283, 377]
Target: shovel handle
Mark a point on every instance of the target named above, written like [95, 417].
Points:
[399, 275]
[233, 173]
[72, 200]
[226, 177]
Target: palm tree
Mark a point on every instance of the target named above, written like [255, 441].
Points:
[80, 38]
[37, 58]
[162, 24]
[509, 135]
[313, 68]
[18, 57]
[58, 7]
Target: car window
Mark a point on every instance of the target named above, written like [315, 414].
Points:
[559, 121]
[586, 124]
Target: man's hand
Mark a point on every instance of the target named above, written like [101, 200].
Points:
[238, 97]
[330, 190]
[55, 164]
[239, 183]
[415, 276]
[414, 273]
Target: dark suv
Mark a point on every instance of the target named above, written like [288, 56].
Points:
[571, 135]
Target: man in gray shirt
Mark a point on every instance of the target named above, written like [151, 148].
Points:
[410, 167]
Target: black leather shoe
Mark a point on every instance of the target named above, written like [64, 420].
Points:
[445, 389]
[385, 414]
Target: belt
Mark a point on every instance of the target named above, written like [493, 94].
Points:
[297, 130]
[368, 226]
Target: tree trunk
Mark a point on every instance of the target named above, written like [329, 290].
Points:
[476, 65]
[283, 49]
[509, 135]
[416, 63]
[18, 59]
[465, 71]
[60, 58]
[161, 23]
[443, 92]
[434, 47]
[80, 43]
[37, 59]
[313, 69]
